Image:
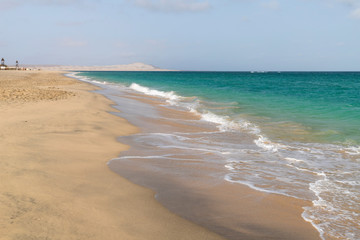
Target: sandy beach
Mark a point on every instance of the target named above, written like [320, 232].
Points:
[179, 120]
[56, 138]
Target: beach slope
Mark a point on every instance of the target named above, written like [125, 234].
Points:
[56, 138]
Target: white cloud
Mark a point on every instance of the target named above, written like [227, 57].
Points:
[173, 5]
[354, 5]
[350, 3]
[355, 13]
[273, 5]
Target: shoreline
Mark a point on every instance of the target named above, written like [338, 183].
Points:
[254, 214]
[55, 183]
[232, 210]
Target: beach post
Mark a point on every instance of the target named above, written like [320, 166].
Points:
[3, 66]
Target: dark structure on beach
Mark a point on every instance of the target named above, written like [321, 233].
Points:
[2, 65]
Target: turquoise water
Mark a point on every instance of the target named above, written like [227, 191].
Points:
[314, 106]
[293, 133]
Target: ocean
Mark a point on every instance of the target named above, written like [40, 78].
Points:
[290, 133]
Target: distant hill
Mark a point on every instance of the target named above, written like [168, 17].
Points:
[126, 67]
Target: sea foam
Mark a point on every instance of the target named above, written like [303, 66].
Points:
[225, 123]
[156, 93]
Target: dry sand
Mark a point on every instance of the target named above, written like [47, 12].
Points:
[56, 138]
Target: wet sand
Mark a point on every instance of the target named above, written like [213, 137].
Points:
[195, 189]
[56, 138]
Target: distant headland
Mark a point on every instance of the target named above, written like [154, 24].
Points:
[125, 67]
[138, 66]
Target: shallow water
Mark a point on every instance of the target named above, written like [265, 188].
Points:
[294, 134]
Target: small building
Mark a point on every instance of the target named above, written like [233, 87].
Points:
[2, 65]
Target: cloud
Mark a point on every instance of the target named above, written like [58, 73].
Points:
[350, 3]
[354, 5]
[273, 5]
[355, 13]
[173, 5]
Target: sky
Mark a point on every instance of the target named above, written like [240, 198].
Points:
[211, 35]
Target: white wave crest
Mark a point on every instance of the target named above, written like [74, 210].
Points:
[293, 160]
[84, 79]
[325, 208]
[266, 144]
[156, 93]
[226, 124]
[352, 150]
